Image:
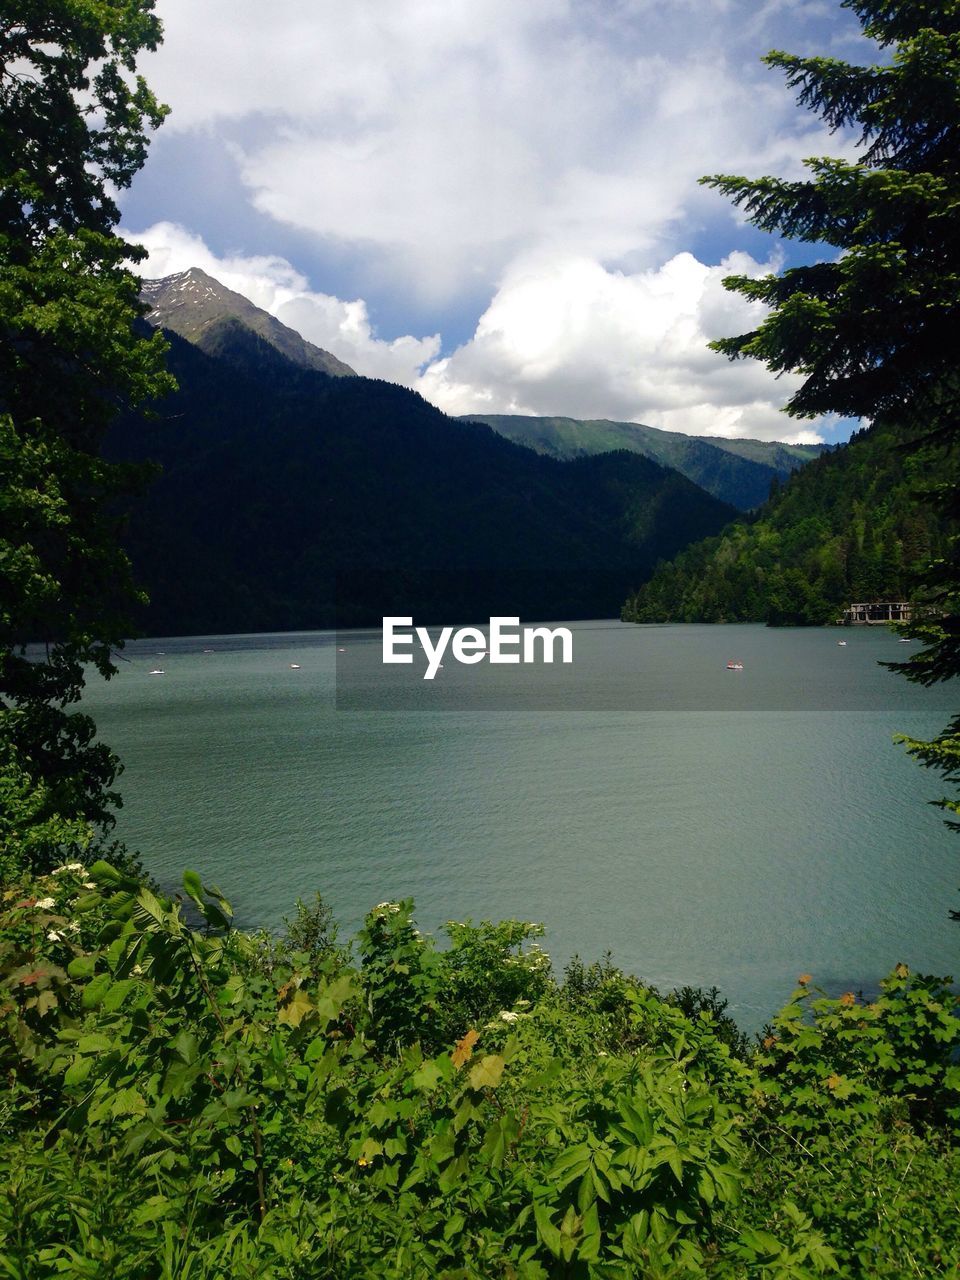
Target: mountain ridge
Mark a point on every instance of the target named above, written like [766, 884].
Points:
[199, 308]
[738, 471]
[291, 499]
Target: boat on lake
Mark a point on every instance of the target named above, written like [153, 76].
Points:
[734, 665]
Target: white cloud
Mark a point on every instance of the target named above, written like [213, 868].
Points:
[569, 337]
[445, 139]
[539, 158]
[563, 335]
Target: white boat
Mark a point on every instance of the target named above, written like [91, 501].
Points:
[158, 671]
[734, 665]
[842, 644]
[294, 666]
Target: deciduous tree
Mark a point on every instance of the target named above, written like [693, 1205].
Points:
[74, 118]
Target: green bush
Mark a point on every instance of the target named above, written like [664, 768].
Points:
[187, 1100]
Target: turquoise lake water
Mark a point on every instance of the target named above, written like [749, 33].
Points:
[705, 826]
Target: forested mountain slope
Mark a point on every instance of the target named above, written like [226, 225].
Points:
[848, 526]
[736, 471]
[290, 499]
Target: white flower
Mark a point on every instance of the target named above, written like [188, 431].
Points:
[68, 866]
[44, 904]
[507, 1015]
[54, 936]
[89, 884]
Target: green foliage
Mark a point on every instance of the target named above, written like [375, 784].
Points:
[852, 525]
[858, 1117]
[486, 974]
[186, 1101]
[871, 331]
[68, 88]
[844, 1059]
[72, 126]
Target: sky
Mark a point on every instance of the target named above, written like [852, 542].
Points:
[493, 202]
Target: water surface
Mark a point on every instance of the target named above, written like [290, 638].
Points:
[705, 826]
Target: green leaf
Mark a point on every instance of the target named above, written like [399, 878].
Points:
[94, 991]
[193, 887]
[454, 1226]
[316, 1049]
[334, 996]
[115, 997]
[298, 1007]
[674, 1159]
[77, 1072]
[486, 1073]
[548, 1233]
[153, 1209]
[86, 902]
[184, 1045]
[128, 1102]
[427, 1078]
[762, 1243]
[637, 1119]
[103, 873]
[500, 1135]
[149, 910]
[455, 1171]
[571, 1164]
[592, 1239]
[82, 966]
[93, 1043]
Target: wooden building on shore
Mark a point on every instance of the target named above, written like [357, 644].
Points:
[877, 612]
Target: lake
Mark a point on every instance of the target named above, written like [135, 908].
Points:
[706, 826]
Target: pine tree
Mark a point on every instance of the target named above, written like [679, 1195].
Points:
[874, 331]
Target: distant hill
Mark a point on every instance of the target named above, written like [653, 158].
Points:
[736, 471]
[291, 498]
[847, 527]
[206, 313]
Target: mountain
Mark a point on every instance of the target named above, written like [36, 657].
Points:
[736, 471]
[847, 527]
[289, 498]
[206, 313]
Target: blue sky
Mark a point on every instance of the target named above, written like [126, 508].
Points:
[493, 202]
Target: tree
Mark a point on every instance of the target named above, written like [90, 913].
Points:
[874, 330]
[73, 123]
